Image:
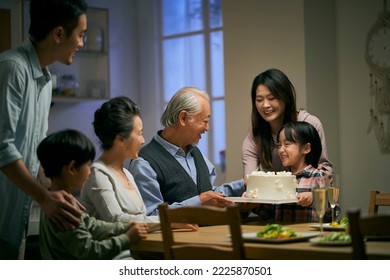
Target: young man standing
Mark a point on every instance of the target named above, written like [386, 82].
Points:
[56, 33]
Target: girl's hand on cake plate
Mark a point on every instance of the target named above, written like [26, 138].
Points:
[305, 199]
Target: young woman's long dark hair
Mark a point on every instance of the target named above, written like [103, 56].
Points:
[282, 89]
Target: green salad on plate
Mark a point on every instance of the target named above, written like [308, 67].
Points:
[276, 231]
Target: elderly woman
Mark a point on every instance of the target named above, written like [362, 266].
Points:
[111, 193]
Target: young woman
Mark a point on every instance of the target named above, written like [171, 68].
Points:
[273, 105]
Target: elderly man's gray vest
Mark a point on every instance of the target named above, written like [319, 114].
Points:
[175, 183]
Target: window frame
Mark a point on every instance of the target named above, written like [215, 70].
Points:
[207, 33]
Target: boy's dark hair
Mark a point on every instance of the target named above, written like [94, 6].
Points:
[303, 133]
[60, 148]
[45, 15]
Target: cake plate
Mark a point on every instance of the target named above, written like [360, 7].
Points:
[264, 201]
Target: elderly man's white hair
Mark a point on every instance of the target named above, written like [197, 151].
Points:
[185, 99]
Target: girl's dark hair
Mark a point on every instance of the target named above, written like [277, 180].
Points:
[115, 117]
[45, 15]
[60, 148]
[303, 133]
[282, 89]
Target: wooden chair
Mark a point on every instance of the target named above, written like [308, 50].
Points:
[373, 226]
[378, 199]
[201, 215]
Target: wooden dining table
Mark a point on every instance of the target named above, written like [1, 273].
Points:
[152, 246]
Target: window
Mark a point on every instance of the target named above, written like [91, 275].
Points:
[191, 52]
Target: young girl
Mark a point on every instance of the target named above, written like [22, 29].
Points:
[273, 105]
[66, 158]
[299, 148]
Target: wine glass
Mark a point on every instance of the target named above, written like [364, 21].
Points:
[319, 202]
[333, 197]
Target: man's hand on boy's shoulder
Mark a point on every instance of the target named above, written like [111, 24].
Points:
[59, 207]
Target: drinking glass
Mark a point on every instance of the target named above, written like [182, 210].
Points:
[333, 197]
[319, 203]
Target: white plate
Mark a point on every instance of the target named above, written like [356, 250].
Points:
[327, 227]
[317, 241]
[301, 236]
[265, 201]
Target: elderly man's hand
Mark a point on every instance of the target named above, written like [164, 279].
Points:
[212, 198]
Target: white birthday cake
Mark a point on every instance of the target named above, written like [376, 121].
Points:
[271, 185]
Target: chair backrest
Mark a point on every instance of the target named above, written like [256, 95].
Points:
[201, 215]
[374, 226]
[378, 199]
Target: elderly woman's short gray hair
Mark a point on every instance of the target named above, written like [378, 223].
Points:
[185, 99]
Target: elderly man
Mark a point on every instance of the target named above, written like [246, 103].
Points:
[171, 168]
